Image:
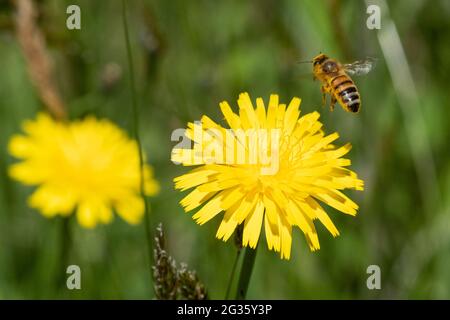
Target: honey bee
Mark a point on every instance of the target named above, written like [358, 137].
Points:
[336, 81]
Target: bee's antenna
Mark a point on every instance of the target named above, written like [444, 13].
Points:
[305, 61]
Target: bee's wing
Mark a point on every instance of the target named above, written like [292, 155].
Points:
[360, 67]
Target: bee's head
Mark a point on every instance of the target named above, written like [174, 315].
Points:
[319, 59]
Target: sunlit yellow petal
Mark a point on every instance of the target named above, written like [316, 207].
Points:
[252, 226]
[228, 224]
[285, 238]
[195, 199]
[323, 217]
[209, 210]
[272, 234]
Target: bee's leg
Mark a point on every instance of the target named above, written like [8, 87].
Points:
[324, 96]
[333, 102]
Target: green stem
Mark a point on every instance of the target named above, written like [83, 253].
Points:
[63, 263]
[112, 263]
[233, 271]
[246, 273]
[136, 134]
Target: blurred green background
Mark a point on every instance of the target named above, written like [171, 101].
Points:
[189, 56]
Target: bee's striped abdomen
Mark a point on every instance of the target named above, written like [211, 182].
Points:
[346, 93]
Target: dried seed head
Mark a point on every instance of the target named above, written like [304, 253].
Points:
[170, 282]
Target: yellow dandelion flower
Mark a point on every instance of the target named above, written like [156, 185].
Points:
[232, 178]
[87, 166]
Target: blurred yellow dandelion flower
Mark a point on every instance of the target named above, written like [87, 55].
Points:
[308, 169]
[87, 166]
